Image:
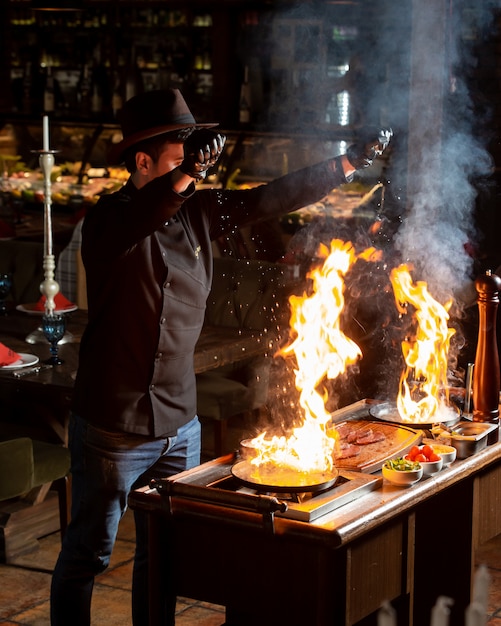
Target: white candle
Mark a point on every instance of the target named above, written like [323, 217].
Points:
[481, 587]
[386, 615]
[440, 612]
[475, 615]
[45, 133]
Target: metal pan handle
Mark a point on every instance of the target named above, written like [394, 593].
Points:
[261, 504]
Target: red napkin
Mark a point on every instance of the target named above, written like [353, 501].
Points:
[60, 301]
[7, 355]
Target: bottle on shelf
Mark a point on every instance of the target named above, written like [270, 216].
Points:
[116, 96]
[84, 91]
[49, 97]
[244, 109]
[133, 83]
[27, 86]
[100, 87]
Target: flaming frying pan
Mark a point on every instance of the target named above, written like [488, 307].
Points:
[276, 479]
[388, 412]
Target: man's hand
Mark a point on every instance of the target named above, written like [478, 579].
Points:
[362, 153]
[202, 149]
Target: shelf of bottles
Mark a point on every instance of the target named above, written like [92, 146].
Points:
[85, 64]
[259, 66]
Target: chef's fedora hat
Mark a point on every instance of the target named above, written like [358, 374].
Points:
[150, 114]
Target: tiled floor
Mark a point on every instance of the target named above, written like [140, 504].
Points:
[24, 592]
[24, 588]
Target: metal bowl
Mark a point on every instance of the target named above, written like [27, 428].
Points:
[470, 437]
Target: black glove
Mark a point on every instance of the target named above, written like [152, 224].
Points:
[372, 145]
[202, 149]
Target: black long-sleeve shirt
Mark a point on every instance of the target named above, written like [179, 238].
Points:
[148, 260]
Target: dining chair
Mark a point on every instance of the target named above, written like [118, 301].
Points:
[24, 260]
[29, 469]
[244, 294]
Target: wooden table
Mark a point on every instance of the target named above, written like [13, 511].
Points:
[407, 546]
[30, 226]
[51, 389]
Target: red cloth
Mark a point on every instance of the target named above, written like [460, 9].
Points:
[7, 355]
[60, 301]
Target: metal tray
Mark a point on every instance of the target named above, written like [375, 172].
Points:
[470, 437]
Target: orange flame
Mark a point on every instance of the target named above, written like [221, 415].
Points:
[423, 382]
[322, 351]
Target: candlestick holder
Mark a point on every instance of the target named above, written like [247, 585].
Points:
[49, 287]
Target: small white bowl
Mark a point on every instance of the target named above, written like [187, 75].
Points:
[431, 467]
[448, 453]
[402, 478]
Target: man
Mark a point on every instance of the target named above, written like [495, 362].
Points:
[147, 255]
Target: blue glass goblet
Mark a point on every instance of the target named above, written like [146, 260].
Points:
[5, 287]
[53, 327]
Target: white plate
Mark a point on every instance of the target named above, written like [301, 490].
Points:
[31, 310]
[24, 361]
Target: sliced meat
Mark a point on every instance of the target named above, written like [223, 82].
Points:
[357, 434]
[352, 436]
[347, 450]
[343, 430]
[369, 436]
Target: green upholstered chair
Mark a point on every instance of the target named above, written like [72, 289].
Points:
[28, 470]
[244, 294]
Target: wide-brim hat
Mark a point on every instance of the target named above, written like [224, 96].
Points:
[150, 114]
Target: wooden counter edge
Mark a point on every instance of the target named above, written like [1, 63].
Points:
[345, 524]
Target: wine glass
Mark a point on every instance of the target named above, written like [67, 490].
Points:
[53, 327]
[5, 287]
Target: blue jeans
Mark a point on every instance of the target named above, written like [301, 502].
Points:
[105, 467]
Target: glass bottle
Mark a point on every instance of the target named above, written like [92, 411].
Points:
[84, 91]
[116, 96]
[49, 100]
[27, 87]
[244, 109]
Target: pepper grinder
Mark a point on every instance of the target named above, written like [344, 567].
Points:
[486, 379]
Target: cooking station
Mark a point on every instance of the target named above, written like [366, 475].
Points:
[329, 557]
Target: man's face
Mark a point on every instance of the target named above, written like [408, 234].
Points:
[169, 158]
